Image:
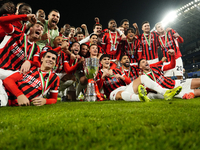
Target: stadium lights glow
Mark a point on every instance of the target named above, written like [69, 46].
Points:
[174, 14]
[192, 3]
[169, 18]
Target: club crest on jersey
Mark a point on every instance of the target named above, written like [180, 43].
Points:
[114, 79]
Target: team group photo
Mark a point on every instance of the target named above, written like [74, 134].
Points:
[121, 63]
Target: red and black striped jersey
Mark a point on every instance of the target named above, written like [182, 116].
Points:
[62, 58]
[100, 49]
[12, 54]
[110, 83]
[30, 85]
[132, 50]
[149, 52]
[111, 45]
[17, 24]
[132, 72]
[170, 43]
[73, 64]
[160, 78]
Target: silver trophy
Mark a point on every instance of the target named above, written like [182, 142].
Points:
[91, 68]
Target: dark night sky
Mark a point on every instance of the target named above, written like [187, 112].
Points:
[77, 12]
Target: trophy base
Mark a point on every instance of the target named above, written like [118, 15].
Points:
[90, 98]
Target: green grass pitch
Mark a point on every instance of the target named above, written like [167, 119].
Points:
[117, 125]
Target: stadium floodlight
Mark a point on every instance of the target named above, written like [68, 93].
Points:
[169, 18]
[174, 14]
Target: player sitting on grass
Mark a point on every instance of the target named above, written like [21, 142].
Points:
[156, 74]
[31, 87]
[130, 70]
[118, 86]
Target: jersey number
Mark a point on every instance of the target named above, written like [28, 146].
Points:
[179, 68]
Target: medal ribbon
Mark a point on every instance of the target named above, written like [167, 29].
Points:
[49, 40]
[148, 41]
[115, 40]
[129, 71]
[111, 76]
[152, 75]
[57, 63]
[24, 27]
[44, 86]
[164, 46]
[25, 48]
[75, 61]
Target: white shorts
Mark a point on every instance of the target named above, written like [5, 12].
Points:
[177, 71]
[114, 93]
[128, 88]
[5, 73]
[153, 61]
[3, 95]
[185, 84]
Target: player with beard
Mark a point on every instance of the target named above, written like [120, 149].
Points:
[19, 51]
[149, 44]
[64, 32]
[169, 40]
[131, 47]
[189, 86]
[76, 73]
[111, 40]
[50, 29]
[84, 51]
[118, 86]
[62, 66]
[78, 29]
[40, 15]
[97, 29]
[79, 36]
[71, 36]
[23, 9]
[125, 24]
[31, 87]
[131, 71]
